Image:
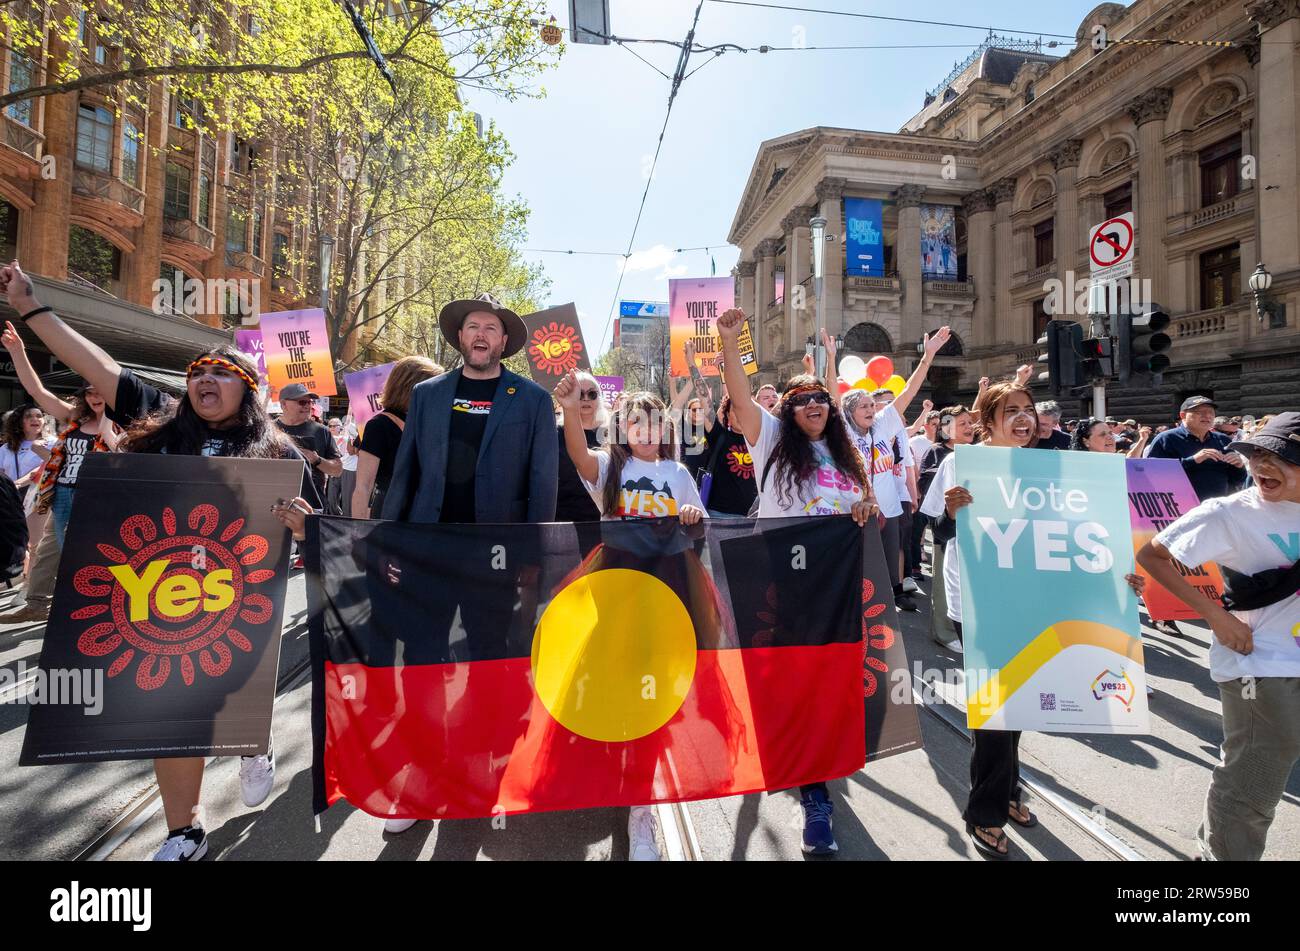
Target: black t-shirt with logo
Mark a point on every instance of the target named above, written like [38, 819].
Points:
[76, 446]
[733, 490]
[310, 434]
[469, 415]
[381, 439]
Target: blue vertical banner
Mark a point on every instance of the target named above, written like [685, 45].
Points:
[864, 243]
[1049, 625]
[938, 242]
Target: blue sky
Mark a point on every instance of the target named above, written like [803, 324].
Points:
[582, 152]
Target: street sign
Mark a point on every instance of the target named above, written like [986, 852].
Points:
[1110, 247]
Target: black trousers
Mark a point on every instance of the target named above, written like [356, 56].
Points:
[994, 775]
[905, 529]
[917, 542]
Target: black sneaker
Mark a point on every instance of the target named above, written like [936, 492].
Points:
[1168, 628]
[184, 845]
[904, 602]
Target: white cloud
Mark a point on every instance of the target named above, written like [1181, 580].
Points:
[671, 272]
[659, 256]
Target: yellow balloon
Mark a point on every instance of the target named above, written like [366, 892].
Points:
[895, 384]
[867, 385]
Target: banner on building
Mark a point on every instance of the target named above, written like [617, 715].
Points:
[695, 304]
[365, 388]
[297, 348]
[663, 664]
[1050, 627]
[610, 388]
[864, 237]
[1159, 493]
[938, 242]
[554, 345]
[167, 610]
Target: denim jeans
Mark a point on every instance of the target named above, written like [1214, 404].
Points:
[62, 511]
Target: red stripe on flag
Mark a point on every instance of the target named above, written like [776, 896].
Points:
[472, 740]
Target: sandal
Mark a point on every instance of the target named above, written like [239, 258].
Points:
[1013, 813]
[994, 849]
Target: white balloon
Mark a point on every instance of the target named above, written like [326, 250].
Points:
[852, 369]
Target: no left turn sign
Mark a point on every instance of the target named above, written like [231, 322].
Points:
[1110, 247]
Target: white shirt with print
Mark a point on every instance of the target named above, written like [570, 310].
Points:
[649, 489]
[826, 492]
[877, 448]
[1249, 535]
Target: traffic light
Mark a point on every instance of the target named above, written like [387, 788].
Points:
[1141, 343]
[1060, 348]
[1097, 363]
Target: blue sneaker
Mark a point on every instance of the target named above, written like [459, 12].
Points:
[817, 837]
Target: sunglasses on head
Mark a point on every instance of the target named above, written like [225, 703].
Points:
[589, 394]
[803, 399]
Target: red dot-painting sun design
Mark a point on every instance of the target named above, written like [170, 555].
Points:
[877, 636]
[197, 638]
[555, 348]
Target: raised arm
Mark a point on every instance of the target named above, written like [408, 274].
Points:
[575, 437]
[932, 343]
[82, 357]
[919, 424]
[47, 401]
[747, 414]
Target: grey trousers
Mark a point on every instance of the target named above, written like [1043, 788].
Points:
[1261, 745]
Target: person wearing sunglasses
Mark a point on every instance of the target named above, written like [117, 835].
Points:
[312, 438]
[573, 503]
[806, 464]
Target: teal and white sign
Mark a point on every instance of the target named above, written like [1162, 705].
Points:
[1050, 627]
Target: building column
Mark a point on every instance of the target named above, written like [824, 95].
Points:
[765, 252]
[1148, 112]
[745, 301]
[1004, 324]
[1279, 132]
[45, 234]
[978, 206]
[798, 266]
[830, 204]
[907, 254]
[1065, 160]
[148, 248]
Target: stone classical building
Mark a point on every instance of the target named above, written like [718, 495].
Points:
[1027, 151]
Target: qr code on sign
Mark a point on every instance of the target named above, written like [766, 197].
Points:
[1047, 701]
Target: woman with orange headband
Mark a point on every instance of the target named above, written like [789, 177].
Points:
[220, 414]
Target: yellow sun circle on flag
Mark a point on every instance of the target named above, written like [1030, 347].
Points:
[614, 655]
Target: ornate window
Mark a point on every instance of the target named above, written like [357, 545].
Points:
[94, 138]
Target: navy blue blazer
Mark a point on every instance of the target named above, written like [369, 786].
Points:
[518, 461]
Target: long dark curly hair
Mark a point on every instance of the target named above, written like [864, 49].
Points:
[1078, 438]
[793, 460]
[178, 430]
[16, 425]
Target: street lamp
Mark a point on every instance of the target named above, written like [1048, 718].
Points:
[1260, 281]
[326, 262]
[818, 225]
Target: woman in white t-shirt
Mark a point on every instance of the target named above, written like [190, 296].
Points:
[878, 436]
[635, 476]
[1004, 416]
[806, 463]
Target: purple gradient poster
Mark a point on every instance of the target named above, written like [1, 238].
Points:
[365, 387]
[610, 387]
[250, 342]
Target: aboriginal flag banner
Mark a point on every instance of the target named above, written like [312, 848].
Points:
[470, 670]
[167, 610]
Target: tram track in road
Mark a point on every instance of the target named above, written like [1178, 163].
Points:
[1037, 784]
[146, 805]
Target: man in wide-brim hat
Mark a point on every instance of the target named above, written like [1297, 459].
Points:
[1254, 537]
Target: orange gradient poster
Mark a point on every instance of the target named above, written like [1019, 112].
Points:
[297, 349]
[1158, 494]
[694, 306]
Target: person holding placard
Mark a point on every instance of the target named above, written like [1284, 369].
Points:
[1253, 656]
[1004, 416]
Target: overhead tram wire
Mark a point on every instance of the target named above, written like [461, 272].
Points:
[877, 16]
[678, 75]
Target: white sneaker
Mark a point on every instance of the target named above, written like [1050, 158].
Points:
[1150, 690]
[953, 645]
[187, 845]
[256, 776]
[398, 826]
[910, 586]
[642, 843]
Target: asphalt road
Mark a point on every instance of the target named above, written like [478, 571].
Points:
[1147, 791]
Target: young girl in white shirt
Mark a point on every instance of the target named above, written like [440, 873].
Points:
[636, 475]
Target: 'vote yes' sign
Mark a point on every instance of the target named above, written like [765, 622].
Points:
[1050, 626]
